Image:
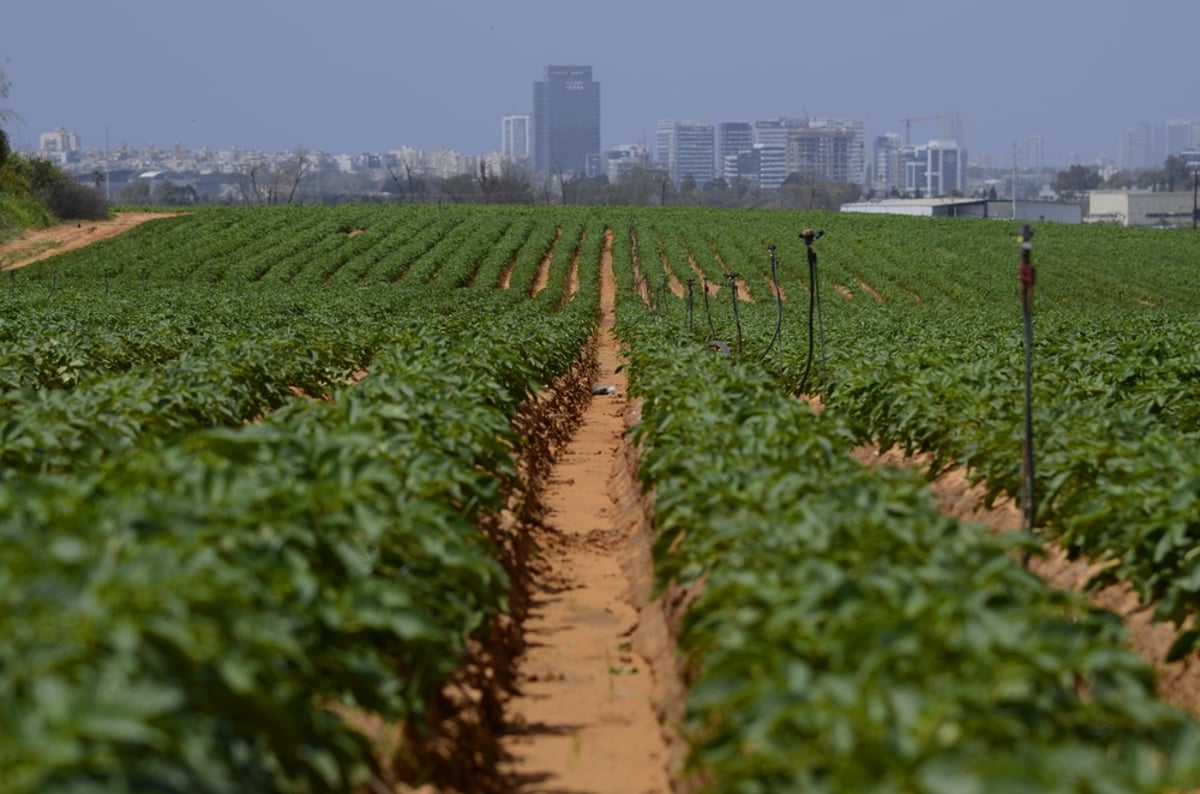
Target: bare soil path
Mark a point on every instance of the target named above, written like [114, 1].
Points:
[585, 718]
[33, 245]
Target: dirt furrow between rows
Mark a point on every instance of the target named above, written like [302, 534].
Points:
[586, 716]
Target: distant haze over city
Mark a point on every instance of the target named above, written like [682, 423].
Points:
[374, 76]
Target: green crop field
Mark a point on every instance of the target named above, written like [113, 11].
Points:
[247, 454]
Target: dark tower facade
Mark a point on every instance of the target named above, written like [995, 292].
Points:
[566, 120]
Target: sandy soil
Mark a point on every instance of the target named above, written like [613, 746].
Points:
[871, 291]
[672, 280]
[543, 275]
[586, 714]
[36, 244]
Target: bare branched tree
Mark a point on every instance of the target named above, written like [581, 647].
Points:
[487, 182]
[274, 183]
[412, 184]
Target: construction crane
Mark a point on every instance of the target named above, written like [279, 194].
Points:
[908, 125]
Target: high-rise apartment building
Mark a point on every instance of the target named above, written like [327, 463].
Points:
[829, 148]
[58, 142]
[887, 169]
[771, 136]
[1035, 152]
[566, 120]
[733, 137]
[517, 140]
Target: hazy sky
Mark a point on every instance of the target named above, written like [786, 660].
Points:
[372, 75]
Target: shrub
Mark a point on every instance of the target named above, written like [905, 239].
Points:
[70, 200]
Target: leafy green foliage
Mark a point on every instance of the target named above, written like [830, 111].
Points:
[847, 637]
[199, 568]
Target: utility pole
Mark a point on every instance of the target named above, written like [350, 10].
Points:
[1195, 186]
[1014, 183]
[107, 174]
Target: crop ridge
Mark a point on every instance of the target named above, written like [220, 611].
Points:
[1178, 682]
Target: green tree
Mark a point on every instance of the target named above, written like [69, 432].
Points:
[136, 192]
[808, 193]
[4, 116]
[1174, 175]
[167, 193]
[639, 187]
[580, 189]
[687, 186]
[1076, 181]
[1119, 181]
[5, 85]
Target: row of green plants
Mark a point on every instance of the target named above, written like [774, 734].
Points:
[937, 367]
[274, 247]
[847, 636]
[216, 542]
[194, 615]
[840, 614]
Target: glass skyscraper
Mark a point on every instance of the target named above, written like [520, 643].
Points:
[566, 120]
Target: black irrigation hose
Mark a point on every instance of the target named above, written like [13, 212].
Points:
[691, 300]
[778, 302]
[1027, 275]
[712, 334]
[737, 319]
[813, 308]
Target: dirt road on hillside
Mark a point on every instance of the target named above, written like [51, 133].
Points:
[34, 245]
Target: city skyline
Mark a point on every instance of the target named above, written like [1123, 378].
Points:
[377, 76]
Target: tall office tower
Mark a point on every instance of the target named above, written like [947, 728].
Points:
[1179, 136]
[695, 150]
[887, 166]
[686, 148]
[664, 142]
[1158, 145]
[1135, 149]
[734, 137]
[566, 120]
[517, 136]
[1035, 152]
[954, 127]
[936, 169]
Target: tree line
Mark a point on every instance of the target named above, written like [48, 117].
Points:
[35, 192]
[1077, 180]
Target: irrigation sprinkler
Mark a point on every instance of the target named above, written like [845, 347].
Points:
[778, 301]
[737, 319]
[1027, 275]
[712, 334]
[814, 307]
[691, 302]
